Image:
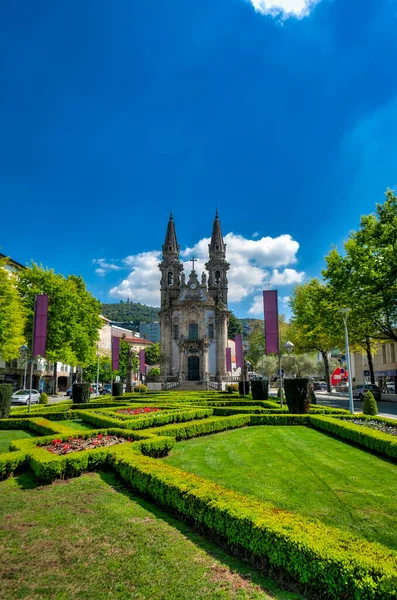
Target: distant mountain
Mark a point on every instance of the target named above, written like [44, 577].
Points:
[130, 314]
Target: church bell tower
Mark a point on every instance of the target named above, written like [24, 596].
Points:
[217, 266]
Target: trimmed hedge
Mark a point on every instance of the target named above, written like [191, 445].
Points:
[260, 389]
[206, 426]
[376, 441]
[370, 406]
[336, 564]
[144, 421]
[11, 462]
[5, 399]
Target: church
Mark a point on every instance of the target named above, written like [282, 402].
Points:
[194, 315]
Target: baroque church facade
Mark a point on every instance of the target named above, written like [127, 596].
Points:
[194, 316]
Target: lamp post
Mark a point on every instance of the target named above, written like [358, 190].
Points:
[344, 312]
[24, 351]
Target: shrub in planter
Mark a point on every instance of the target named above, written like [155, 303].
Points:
[370, 406]
[117, 388]
[141, 388]
[43, 398]
[81, 393]
[241, 390]
[5, 399]
[313, 399]
[231, 387]
[297, 393]
[260, 389]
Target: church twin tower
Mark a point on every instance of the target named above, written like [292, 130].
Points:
[194, 316]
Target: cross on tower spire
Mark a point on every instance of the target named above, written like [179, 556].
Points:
[193, 260]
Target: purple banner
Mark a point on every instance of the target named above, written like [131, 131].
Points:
[239, 350]
[141, 362]
[229, 360]
[40, 325]
[115, 353]
[270, 306]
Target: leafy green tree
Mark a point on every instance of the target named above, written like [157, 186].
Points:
[152, 354]
[73, 314]
[365, 279]
[235, 326]
[313, 321]
[256, 345]
[299, 365]
[12, 315]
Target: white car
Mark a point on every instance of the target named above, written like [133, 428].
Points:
[22, 397]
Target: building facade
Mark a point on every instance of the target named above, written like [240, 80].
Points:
[194, 315]
[150, 331]
[385, 367]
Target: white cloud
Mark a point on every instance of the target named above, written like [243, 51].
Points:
[253, 264]
[255, 234]
[256, 308]
[104, 267]
[286, 277]
[143, 283]
[285, 8]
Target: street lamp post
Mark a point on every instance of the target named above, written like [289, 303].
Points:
[97, 372]
[344, 312]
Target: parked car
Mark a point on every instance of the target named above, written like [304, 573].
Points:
[107, 388]
[390, 387]
[342, 387]
[319, 386]
[359, 391]
[22, 397]
[100, 388]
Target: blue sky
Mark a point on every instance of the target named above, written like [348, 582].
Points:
[280, 113]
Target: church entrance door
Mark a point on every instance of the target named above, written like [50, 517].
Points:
[193, 368]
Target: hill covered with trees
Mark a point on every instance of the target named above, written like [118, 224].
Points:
[130, 314]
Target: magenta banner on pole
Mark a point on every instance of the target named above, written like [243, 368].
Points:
[229, 360]
[141, 362]
[115, 353]
[270, 306]
[40, 325]
[239, 350]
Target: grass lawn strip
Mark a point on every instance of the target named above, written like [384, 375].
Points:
[7, 436]
[90, 538]
[300, 470]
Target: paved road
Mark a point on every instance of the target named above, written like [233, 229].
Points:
[386, 408]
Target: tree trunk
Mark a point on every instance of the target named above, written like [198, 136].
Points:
[55, 377]
[326, 367]
[370, 361]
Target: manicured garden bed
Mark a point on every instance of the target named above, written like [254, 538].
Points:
[61, 447]
[378, 425]
[303, 471]
[6, 436]
[90, 538]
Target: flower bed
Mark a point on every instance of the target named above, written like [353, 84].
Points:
[61, 447]
[137, 411]
[378, 425]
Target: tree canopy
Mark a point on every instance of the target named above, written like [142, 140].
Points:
[73, 314]
[12, 315]
[152, 354]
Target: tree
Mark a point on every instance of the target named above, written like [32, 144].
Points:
[152, 354]
[361, 327]
[12, 315]
[235, 326]
[299, 365]
[369, 270]
[73, 314]
[313, 321]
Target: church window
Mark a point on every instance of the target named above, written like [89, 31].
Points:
[193, 331]
[170, 278]
[217, 277]
[176, 332]
[210, 331]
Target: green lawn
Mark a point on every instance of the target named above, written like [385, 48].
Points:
[78, 424]
[6, 436]
[301, 470]
[90, 538]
